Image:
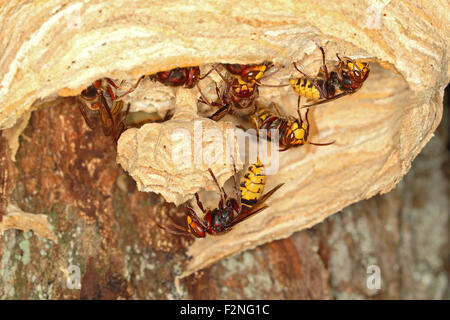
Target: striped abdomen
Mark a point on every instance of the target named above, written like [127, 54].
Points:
[252, 185]
[92, 95]
[306, 88]
[266, 119]
[115, 106]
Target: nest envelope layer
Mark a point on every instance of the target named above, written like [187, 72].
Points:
[62, 46]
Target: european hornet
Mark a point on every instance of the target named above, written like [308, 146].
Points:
[99, 99]
[238, 97]
[249, 73]
[348, 78]
[187, 77]
[248, 202]
[240, 91]
[293, 132]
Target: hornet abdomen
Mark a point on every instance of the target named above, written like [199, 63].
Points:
[252, 185]
[306, 88]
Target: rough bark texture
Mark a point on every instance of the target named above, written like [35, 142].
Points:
[104, 225]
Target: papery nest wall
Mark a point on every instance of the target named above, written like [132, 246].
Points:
[60, 47]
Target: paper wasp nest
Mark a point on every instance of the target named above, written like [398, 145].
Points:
[378, 131]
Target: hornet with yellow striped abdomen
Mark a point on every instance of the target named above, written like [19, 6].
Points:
[240, 91]
[237, 97]
[99, 99]
[248, 202]
[251, 74]
[292, 132]
[252, 184]
[348, 78]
